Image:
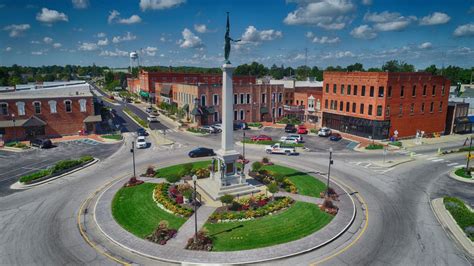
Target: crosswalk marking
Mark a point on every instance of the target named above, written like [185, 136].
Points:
[437, 160]
[432, 158]
[458, 166]
[452, 164]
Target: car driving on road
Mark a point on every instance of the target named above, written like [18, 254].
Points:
[201, 152]
[152, 118]
[142, 132]
[141, 142]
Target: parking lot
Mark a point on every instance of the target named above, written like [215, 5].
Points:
[13, 165]
[312, 142]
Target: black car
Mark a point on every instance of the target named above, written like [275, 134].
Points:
[42, 143]
[201, 152]
[241, 125]
[142, 132]
[290, 128]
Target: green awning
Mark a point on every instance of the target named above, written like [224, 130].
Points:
[144, 94]
[263, 110]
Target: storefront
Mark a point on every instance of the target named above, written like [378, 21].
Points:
[357, 126]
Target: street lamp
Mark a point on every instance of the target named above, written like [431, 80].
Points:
[469, 155]
[14, 130]
[243, 151]
[195, 210]
[329, 170]
[132, 150]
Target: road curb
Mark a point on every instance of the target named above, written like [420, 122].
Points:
[20, 186]
[11, 149]
[450, 226]
[458, 178]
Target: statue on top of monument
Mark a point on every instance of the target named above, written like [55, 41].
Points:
[228, 39]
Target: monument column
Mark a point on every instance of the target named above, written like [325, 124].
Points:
[227, 109]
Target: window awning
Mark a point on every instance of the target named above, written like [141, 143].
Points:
[34, 122]
[263, 110]
[9, 123]
[144, 94]
[93, 119]
[165, 90]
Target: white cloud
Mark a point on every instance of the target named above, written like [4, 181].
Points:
[115, 53]
[80, 4]
[101, 35]
[47, 40]
[114, 17]
[57, 45]
[364, 32]
[16, 29]
[151, 51]
[201, 28]
[37, 53]
[461, 51]
[35, 42]
[309, 34]
[462, 30]
[338, 55]
[126, 37]
[190, 40]
[50, 16]
[162, 39]
[327, 14]
[325, 40]
[103, 42]
[436, 18]
[388, 21]
[88, 46]
[425, 45]
[252, 35]
[159, 4]
[367, 2]
[8, 49]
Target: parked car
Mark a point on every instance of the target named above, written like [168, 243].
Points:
[142, 132]
[298, 137]
[217, 126]
[152, 118]
[290, 128]
[289, 140]
[241, 125]
[41, 143]
[149, 109]
[260, 138]
[324, 132]
[201, 152]
[210, 129]
[280, 149]
[141, 142]
[302, 130]
[335, 137]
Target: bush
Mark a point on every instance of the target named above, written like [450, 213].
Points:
[86, 158]
[374, 147]
[173, 178]
[256, 166]
[255, 124]
[162, 233]
[227, 199]
[113, 136]
[64, 165]
[265, 160]
[35, 175]
[396, 143]
[463, 173]
[204, 242]
[150, 171]
[461, 214]
[195, 130]
[202, 172]
[272, 188]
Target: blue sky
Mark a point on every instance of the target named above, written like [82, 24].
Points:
[190, 32]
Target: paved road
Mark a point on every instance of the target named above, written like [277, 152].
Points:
[39, 226]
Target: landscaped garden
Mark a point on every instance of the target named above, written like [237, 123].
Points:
[462, 214]
[113, 136]
[463, 173]
[374, 146]
[175, 172]
[16, 144]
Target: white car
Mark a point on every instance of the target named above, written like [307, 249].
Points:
[210, 129]
[141, 142]
[152, 118]
[289, 140]
[324, 132]
[280, 149]
[217, 126]
[295, 136]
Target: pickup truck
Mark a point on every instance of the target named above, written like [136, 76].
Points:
[280, 149]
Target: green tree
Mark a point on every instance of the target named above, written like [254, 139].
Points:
[355, 67]
[302, 72]
[397, 66]
[432, 69]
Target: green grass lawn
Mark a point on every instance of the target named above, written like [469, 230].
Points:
[298, 221]
[134, 209]
[306, 184]
[463, 216]
[175, 169]
[462, 173]
[113, 136]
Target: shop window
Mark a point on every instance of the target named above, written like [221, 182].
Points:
[369, 112]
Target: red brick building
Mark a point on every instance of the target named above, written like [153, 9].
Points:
[381, 104]
[47, 112]
[307, 106]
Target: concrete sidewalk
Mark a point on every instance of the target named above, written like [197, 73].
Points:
[408, 143]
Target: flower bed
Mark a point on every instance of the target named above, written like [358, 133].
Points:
[248, 209]
[267, 177]
[163, 200]
[463, 216]
[374, 147]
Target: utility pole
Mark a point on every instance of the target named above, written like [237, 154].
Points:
[132, 150]
[468, 155]
[329, 170]
[195, 209]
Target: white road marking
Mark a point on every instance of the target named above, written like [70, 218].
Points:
[432, 158]
[452, 164]
[437, 160]
[458, 166]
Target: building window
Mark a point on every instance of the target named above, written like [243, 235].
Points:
[334, 89]
[335, 105]
[389, 91]
[37, 106]
[68, 106]
[433, 92]
[387, 110]
[216, 117]
[235, 114]
[348, 89]
[342, 89]
[83, 105]
[413, 92]
[241, 98]
[264, 100]
[341, 106]
[423, 107]
[280, 111]
[280, 97]
[379, 110]
[400, 111]
[354, 106]
[412, 108]
[442, 90]
[381, 91]
[371, 91]
[203, 100]
[361, 111]
[431, 107]
[302, 103]
[355, 90]
[4, 108]
[370, 110]
[21, 108]
[424, 90]
[348, 106]
[297, 102]
[318, 105]
[440, 106]
[236, 98]
[326, 104]
[327, 88]
[215, 99]
[362, 93]
[248, 98]
[242, 115]
[402, 91]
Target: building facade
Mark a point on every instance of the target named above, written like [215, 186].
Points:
[380, 105]
[47, 112]
[457, 119]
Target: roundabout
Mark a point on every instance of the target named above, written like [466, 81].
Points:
[296, 229]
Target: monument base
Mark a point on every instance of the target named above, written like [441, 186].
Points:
[214, 191]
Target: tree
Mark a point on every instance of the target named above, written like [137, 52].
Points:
[317, 73]
[276, 72]
[355, 67]
[432, 69]
[109, 77]
[256, 166]
[302, 72]
[374, 69]
[397, 66]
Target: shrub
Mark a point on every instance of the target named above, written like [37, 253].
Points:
[463, 216]
[255, 124]
[278, 177]
[162, 233]
[35, 175]
[202, 172]
[265, 160]
[64, 165]
[204, 242]
[374, 147]
[396, 143]
[173, 178]
[86, 158]
[273, 188]
[150, 171]
[227, 199]
[256, 166]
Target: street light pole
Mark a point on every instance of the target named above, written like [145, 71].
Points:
[469, 155]
[195, 210]
[132, 150]
[329, 170]
[243, 152]
[14, 129]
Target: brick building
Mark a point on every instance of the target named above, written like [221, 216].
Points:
[46, 112]
[381, 104]
[307, 107]
[252, 103]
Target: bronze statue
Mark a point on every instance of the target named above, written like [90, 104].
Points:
[227, 41]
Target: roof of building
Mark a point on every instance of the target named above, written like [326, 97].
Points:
[93, 118]
[72, 91]
[165, 89]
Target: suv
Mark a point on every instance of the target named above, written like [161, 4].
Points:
[324, 132]
[142, 132]
[290, 128]
[42, 143]
[149, 109]
[152, 118]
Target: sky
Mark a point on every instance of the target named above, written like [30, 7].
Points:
[191, 32]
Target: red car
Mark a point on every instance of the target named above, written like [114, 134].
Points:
[302, 130]
[260, 138]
